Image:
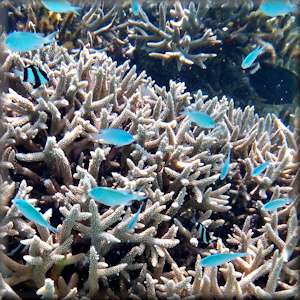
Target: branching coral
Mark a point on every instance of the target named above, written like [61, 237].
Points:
[53, 161]
[195, 32]
[96, 25]
[214, 35]
[230, 31]
[182, 37]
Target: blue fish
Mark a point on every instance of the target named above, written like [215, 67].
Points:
[34, 75]
[60, 6]
[115, 136]
[111, 197]
[32, 214]
[202, 119]
[251, 57]
[259, 169]
[220, 258]
[135, 6]
[276, 203]
[22, 41]
[274, 8]
[226, 167]
[134, 219]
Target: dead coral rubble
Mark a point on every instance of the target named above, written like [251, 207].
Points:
[52, 160]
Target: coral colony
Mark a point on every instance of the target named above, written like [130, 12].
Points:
[114, 187]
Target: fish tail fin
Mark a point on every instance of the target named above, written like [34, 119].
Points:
[184, 112]
[53, 229]
[77, 10]
[141, 198]
[261, 49]
[51, 37]
[293, 7]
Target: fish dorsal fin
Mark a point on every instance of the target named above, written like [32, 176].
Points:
[51, 37]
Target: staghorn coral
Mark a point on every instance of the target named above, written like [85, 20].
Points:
[96, 26]
[193, 32]
[226, 32]
[53, 160]
[182, 38]
[215, 35]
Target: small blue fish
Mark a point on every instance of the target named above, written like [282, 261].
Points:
[32, 214]
[202, 119]
[22, 41]
[60, 6]
[203, 235]
[111, 197]
[220, 259]
[135, 6]
[115, 136]
[134, 219]
[276, 203]
[34, 75]
[274, 8]
[251, 57]
[259, 169]
[226, 167]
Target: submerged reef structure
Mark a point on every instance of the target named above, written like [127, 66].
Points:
[209, 40]
[192, 32]
[95, 25]
[50, 158]
[183, 37]
[206, 40]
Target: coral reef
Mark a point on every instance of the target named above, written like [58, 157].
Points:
[209, 39]
[205, 39]
[192, 32]
[183, 38]
[49, 157]
[96, 26]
